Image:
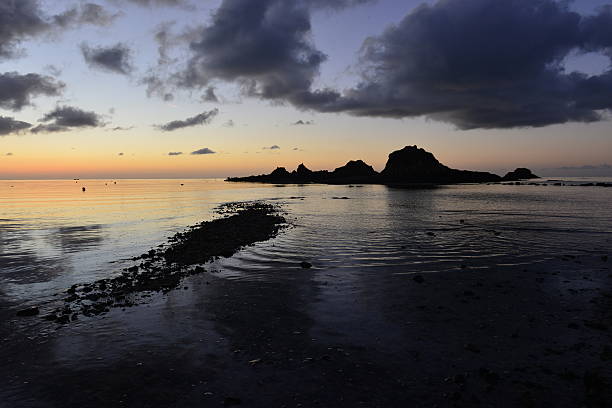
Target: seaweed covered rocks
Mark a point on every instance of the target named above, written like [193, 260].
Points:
[162, 269]
[223, 237]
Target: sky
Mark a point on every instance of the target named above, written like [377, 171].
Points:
[217, 88]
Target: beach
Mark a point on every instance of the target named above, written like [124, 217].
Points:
[468, 295]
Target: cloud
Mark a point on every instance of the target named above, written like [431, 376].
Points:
[9, 154]
[209, 95]
[116, 58]
[156, 86]
[22, 20]
[230, 123]
[164, 40]
[303, 122]
[120, 154]
[65, 118]
[273, 147]
[177, 153]
[472, 63]
[480, 64]
[19, 20]
[157, 78]
[9, 126]
[152, 3]
[120, 128]
[201, 119]
[16, 91]
[205, 150]
[263, 45]
[88, 13]
[53, 70]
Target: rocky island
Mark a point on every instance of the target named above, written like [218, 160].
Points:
[409, 166]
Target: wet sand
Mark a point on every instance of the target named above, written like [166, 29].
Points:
[509, 336]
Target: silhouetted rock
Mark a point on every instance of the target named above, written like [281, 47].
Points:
[354, 171]
[414, 165]
[520, 173]
[303, 171]
[280, 172]
[410, 166]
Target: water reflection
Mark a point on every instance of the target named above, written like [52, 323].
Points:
[78, 238]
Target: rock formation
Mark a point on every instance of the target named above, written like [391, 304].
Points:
[520, 173]
[355, 171]
[415, 165]
[408, 166]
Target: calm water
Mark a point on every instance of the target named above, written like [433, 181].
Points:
[53, 235]
[364, 251]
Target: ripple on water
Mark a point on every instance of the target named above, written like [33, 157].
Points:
[52, 236]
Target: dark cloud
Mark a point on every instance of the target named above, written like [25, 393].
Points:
[480, 64]
[205, 150]
[9, 126]
[273, 147]
[88, 13]
[9, 154]
[303, 122]
[16, 91]
[209, 95]
[116, 58]
[151, 3]
[21, 20]
[264, 45]
[120, 154]
[337, 4]
[176, 153]
[65, 118]
[91, 13]
[473, 63]
[201, 119]
[121, 128]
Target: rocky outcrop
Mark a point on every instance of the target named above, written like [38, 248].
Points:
[302, 171]
[414, 165]
[280, 172]
[355, 171]
[408, 166]
[520, 173]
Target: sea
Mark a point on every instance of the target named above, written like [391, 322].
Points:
[364, 242]
[54, 234]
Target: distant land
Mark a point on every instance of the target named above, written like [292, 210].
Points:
[409, 166]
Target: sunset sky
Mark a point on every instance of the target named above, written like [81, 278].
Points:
[188, 88]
